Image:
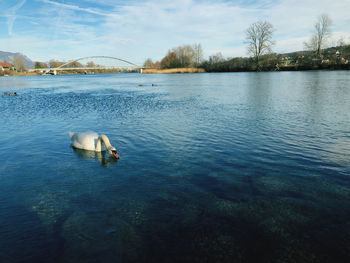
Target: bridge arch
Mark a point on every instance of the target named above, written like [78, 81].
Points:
[91, 57]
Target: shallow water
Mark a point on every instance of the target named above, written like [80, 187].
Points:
[236, 167]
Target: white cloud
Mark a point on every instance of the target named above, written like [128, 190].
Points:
[219, 25]
[159, 26]
[75, 7]
[11, 16]
[136, 30]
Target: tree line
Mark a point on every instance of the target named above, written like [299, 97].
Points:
[56, 64]
[260, 43]
[179, 57]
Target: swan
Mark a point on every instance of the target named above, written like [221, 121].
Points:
[91, 141]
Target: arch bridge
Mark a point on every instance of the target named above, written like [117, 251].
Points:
[128, 66]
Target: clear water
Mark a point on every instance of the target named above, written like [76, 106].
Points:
[237, 167]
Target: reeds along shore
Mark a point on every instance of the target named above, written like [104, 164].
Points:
[174, 70]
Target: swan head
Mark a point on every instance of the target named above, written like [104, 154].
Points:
[115, 154]
[113, 151]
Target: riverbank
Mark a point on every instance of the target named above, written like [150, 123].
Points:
[173, 70]
[186, 70]
[14, 74]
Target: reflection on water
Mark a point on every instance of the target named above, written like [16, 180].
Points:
[244, 167]
[103, 158]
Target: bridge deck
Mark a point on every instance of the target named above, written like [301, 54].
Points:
[83, 68]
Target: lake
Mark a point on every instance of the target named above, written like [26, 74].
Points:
[230, 167]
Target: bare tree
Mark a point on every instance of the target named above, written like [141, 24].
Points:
[55, 64]
[259, 40]
[321, 33]
[19, 64]
[74, 64]
[178, 57]
[341, 42]
[185, 55]
[171, 60]
[198, 54]
[148, 63]
[90, 64]
[216, 58]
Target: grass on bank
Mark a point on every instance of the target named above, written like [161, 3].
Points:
[174, 70]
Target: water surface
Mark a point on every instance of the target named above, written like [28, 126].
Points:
[236, 167]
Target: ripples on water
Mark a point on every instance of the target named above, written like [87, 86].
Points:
[244, 167]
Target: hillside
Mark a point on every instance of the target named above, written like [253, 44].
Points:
[9, 57]
[331, 58]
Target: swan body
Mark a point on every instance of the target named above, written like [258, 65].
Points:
[91, 141]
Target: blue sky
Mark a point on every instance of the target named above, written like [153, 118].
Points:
[137, 30]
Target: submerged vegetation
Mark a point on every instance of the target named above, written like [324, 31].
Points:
[274, 224]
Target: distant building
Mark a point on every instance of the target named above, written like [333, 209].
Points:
[286, 58]
[5, 65]
[287, 61]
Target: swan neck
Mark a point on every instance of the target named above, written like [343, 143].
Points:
[103, 139]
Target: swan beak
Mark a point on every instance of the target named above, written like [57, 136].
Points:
[115, 154]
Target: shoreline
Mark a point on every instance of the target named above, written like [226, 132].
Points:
[173, 70]
[179, 71]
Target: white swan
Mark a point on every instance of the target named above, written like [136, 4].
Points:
[91, 141]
